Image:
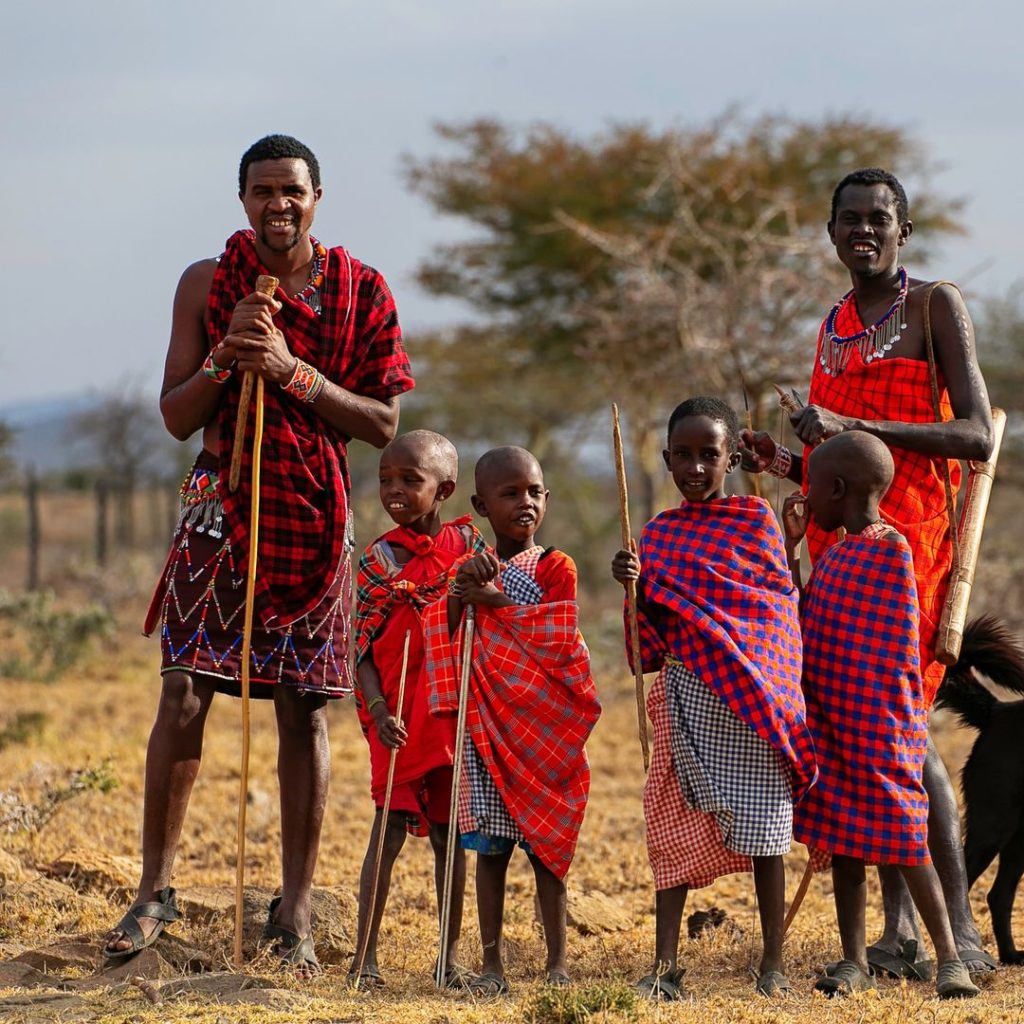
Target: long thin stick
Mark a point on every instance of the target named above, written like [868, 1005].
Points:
[634, 626]
[453, 816]
[265, 285]
[798, 896]
[367, 927]
[250, 597]
[755, 478]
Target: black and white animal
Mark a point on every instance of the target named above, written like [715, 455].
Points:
[992, 780]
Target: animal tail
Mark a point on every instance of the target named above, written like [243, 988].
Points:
[989, 647]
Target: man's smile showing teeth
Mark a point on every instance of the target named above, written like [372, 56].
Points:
[862, 247]
[396, 505]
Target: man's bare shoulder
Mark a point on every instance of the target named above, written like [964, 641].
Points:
[198, 276]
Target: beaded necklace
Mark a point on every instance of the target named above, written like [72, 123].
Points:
[310, 293]
[872, 342]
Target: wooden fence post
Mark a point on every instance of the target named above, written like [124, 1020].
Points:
[32, 499]
[102, 519]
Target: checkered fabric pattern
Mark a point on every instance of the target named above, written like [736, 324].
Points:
[390, 599]
[356, 343]
[727, 770]
[899, 389]
[719, 598]
[865, 705]
[532, 705]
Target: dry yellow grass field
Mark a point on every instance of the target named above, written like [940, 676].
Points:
[105, 711]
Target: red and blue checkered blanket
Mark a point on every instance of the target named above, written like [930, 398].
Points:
[717, 594]
[865, 705]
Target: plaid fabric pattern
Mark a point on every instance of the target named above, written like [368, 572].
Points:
[865, 706]
[390, 601]
[899, 389]
[356, 343]
[719, 598]
[532, 705]
[725, 769]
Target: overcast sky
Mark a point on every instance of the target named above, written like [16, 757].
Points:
[123, 123]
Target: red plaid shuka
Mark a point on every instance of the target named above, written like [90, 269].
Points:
[356, 343]
[865, 705]
[719, 597]
[532, 705]
[390, 600]
[898, 389]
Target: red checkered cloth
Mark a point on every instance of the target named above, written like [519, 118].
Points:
[898, 389]
[532, 705]
[865, 705]
[390, 600]
[684, 845]
[719, 597]
[356, 343]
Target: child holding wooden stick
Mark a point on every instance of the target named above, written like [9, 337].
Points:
[399, 574]
[718, 615]
[531, 706]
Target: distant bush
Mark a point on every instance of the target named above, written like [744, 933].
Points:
[25, 726]
[40, 640]
[19, 814]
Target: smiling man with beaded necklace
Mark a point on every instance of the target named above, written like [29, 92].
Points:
[872, 361]
[329, 348]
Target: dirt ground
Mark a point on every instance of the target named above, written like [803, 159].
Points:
[98, 716]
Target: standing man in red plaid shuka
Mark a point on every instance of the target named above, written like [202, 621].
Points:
[865, 706]
[329, 348]
[871, 373]
[732, 753]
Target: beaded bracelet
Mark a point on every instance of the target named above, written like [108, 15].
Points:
[782, 463]
[373, 703]
[453, 586]
[306, 383]
[217, 374]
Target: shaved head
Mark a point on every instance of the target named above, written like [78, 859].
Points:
[860, 459]
[501, 463]
[432, 452]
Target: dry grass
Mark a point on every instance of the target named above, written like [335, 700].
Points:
[96, 716]
[105, 712]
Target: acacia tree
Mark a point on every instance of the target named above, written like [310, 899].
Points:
[642, 265]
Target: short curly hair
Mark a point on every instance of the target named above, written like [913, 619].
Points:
[714, 409]
[278, 147]
[874, 176]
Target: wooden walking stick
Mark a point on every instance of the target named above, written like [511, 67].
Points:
[968, 544]
[265, 285]
[634, 627]
[383, 818]
[798, 896]
[453, 816]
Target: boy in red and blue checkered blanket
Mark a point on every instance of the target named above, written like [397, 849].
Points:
[531, 706]
[718, 615]
[865, 705]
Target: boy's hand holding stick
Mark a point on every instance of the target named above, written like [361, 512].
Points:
[634, 628]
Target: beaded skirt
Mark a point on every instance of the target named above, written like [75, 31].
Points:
[201, 598]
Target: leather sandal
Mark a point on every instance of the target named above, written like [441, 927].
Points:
[164, 910]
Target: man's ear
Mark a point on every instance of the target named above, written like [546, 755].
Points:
[668, 458]
[906, 230]
[445, 489]
[838, 488]
[830, 227]
[734, 461]
[478, 505]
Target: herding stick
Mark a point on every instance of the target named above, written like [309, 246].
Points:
[968, 530]
[634, 627]
[384, 816]
[265, 285]
[453, 815]
[755, 478]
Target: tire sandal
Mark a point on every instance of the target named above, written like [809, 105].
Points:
[903, 964]
[954, 981]
[164, 910]
[773, 983]
[844, 980]
[456, 977]
[291, 949]
[488, 985]
[978, 956]
[666, 987]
